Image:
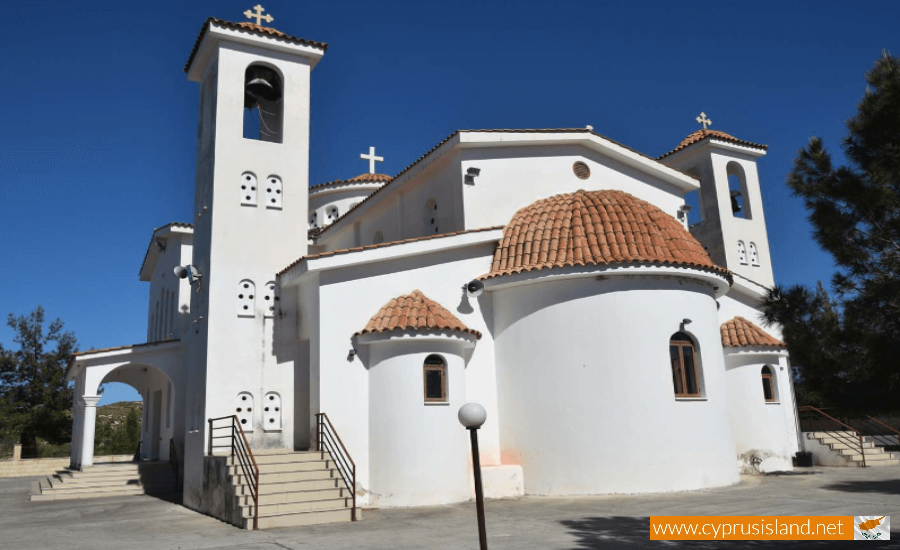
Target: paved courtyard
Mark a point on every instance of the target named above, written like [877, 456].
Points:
[606, 522]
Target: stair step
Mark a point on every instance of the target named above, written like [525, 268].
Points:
[303, 485]
[287, 477]
[301, 518]
[282, 458]
[292, 507]
[283, 467]
[295, 496]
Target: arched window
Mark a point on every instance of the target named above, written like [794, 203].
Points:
[742, 253]
[263, 104]
[435, 379]
[737, 191]
[246, 299]
[754, 256]
[273, 192]
[685, 376]
[332, 212]
[770, 391]
[248, 189]
[313, 220]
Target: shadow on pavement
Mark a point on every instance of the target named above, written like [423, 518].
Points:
[888, 486]
[628, 532]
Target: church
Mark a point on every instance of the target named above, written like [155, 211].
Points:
[551, 275]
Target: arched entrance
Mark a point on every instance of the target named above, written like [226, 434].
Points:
[154, 370]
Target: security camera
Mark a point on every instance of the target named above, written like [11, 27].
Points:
[188, 272]
[474, 288]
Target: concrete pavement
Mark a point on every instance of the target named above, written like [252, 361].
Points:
[599, 522]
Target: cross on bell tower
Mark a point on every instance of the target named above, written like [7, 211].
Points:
[258, 15]
[704, 121]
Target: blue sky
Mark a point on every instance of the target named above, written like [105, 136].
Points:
[97, 142]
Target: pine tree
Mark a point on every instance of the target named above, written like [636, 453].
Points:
[848, 349]
[35, 399]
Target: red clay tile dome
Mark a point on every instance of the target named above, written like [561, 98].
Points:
[741, 333]
[595, 228]
[417, 312]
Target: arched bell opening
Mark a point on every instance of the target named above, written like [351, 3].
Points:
[263, 104]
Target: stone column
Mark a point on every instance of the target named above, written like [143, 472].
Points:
[17, 451]
[88, 425]
[77, 422]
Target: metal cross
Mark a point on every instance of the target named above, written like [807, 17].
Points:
[704, 121]
[372, 159]
[258, 15]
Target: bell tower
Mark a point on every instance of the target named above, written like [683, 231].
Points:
[250, 209]
[730, 225]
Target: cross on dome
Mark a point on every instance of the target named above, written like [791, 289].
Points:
[258, 15]
[704, 121]
[372, 159]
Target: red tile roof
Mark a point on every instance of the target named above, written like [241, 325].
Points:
[700, 135]
[362, 178]
[252, 28]
[382, 245]
[595, 228]
[741, 333]
[414, 311]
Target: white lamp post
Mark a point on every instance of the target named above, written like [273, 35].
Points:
[472, 416]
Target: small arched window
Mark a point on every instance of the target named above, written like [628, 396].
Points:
[313, 220]
[248, 189]
[770, 393]
[737, 190]
[685, 375]
[430, 216]
[273, 192]
[332, 212]
[246, 299]
[435, 379]
[754, 255]
[742, 253]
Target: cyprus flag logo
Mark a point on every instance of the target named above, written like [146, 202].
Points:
[871, 528]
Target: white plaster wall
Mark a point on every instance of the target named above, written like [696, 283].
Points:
[399, 212]
[344, 197]
[585, 388]
[418, 450]
[178, 252]
[746, 304]
[512, 178]
[348, 297]
[763, 431]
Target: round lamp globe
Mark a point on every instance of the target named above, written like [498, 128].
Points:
[472, 415]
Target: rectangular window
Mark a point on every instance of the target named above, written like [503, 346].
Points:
[435, 383]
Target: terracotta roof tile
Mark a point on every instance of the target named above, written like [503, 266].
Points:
[248, 27]
[595, 228]
[362, 178]
[700, 135]
[741, 333]
[381, 245]
[414, 311]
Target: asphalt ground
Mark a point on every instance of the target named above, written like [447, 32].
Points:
[595, 522]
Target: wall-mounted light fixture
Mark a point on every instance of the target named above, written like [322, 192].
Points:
[471, 174]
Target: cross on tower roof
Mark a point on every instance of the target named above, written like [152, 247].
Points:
[704, 121]
[372, 159]
[258, 15]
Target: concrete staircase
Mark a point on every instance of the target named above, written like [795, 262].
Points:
[836, 449]
[108, 480]
[295, 488]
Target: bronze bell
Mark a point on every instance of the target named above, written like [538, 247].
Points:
[261, 84]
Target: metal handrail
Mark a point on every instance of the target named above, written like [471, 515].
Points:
[345, 465]
[847, 440]
[240, 449]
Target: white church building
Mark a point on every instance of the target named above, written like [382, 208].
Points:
[550, 275]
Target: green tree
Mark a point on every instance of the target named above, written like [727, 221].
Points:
[35, 399]
[847, 347]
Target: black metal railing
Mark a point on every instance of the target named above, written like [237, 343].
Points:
[173, 461]
[330, 442]
[240, 451]
[813, 419]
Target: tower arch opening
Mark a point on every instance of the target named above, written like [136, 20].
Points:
[263, 103]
